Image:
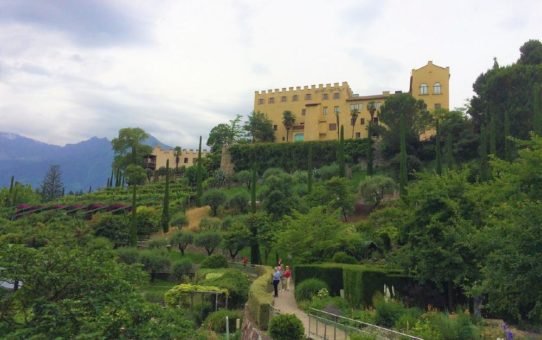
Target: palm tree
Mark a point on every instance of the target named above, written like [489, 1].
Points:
[288, 119]
[354, 114]
[178, 152]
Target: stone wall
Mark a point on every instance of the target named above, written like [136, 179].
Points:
[249, 329]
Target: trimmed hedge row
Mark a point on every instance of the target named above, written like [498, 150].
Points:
[293, 156]
[360, 283]
[260, 298]
[332, 275]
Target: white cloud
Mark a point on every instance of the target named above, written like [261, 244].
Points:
[178, 68]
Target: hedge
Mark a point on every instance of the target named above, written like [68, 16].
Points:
[260, 298]
[332, 275]
[293, 156]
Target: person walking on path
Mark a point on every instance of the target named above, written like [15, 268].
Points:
[276, 280]
[287, 276]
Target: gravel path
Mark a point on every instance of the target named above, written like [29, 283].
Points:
[286, 304]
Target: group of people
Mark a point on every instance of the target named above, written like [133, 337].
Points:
[281, 275]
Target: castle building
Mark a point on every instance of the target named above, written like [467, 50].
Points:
[316, 108]
[158, 158]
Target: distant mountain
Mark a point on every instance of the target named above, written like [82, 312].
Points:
[83, 165]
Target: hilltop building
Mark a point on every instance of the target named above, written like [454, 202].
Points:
[315, 107]
[157, 159]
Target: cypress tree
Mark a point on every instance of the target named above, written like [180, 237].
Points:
[90, 189]
[340, 154]
[133, 224]
[117, 178]
[165, 209]
[9, 198]
[402, 157]
[449, 152]
[493, 134]
[199, 186]
[370, 154]
[537, 109]
[253, 190]
[438, 155]
[507, 142]
[309, 170]
[111, 181]
[484, 164]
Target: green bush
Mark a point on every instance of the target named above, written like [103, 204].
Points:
[239, 202]
[387, 312]
[460, 327]
[308, 288]
[148, 220]
[179, 219]
[286, 327]
[157, 243]
[155, 262]
[154, 297]
[260, 298]
[214, 198]
[128, 255]
[332, 275]
[342, 257]
[327, 171]
[216, 321]
[209, 240]
[408, 319]
[181, 268]
[113, 227]
[235, 281]
[215, 261]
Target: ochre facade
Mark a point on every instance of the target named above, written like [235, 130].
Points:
[316, 107]
[187, 158]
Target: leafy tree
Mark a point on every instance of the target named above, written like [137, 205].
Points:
[537, 109]
[209, 240]
[354, 114]
[277, 196]
[484, 162]
[239, 202]
[259, 128]
[165, 209]
[374, 188]
[255, 222]
[52, 187]
[182, 239]
[288, 119]
[225, 134]
[236, 238]
[129, 147]
[340, 195]
[531, 53]
[214, 198]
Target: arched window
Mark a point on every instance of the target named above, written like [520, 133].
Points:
[423, 88]
[436, 88]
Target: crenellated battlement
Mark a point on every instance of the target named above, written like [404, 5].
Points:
[293, 89]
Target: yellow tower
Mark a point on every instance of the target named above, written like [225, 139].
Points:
[432, 84]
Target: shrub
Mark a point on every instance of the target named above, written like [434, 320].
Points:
[327, 171]
[208, 240]
[215, 261]
[209, 224]
[214, 198]
[179, 220]
[333, 276]
[387, 312]
[181, 268]
[374, 188]
[286, 327]
[216, 321]
[182, 240]
[260, 298]
[308, 288]
[408, 319]
[128, 255]
[155, 262]
[157, 243]
[147, 220]
[239, 202]
[342, 257]
[115, 228]
[460, 327]
[154, 297]
[237, 284]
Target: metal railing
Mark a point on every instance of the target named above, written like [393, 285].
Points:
[325, 325]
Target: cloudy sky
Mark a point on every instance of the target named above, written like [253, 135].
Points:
[73, 69]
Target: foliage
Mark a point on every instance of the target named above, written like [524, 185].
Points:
[327, 171]
[331, 275]
[225, 134]
[286, 327]
[129, 148]
[237, 284]
[182, 267]
[308, 288]
[164, 221]
[128, 255]
[155, 262]
[342, 257]
[236, 238]
[135, 174]
[209, 240]
[260, 298]
[214, 198]
[293, 156]
[173, 296]
[259, 128]
[157, 243]
[182, 239]
[179, 220]
[216, 321]
[374, 188]
[243, 177]
[388, 311]
[239, 202]
[113, 227]
[288, 120]
[147, 220]
[52, 187]
[215, 261]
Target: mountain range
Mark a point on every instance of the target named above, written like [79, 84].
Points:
[83, 165]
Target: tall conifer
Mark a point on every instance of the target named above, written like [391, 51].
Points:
[507, 142]
[403, 175]
[309, 169]
[199, 186]
[484, 164]
[438, 153]
[165, 209]
[537, 109]
[340, 154]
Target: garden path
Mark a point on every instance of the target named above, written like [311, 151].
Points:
[286, 304]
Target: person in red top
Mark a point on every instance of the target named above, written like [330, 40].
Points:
[287, 275]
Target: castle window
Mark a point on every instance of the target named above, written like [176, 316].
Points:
[362, 121]
[295, 97]
[354, 107]
[325, 96]
[283, 99]
[308, 96]
[437, 106]
[336, 95]
[260, 101]
[423, 88]
[185, 160]
[336, 110]
[303, 112]
[325, 111]
[358, 135]
[275, 127]
[332, 127]
[271, 100]
[375, 120]
[436, 88]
